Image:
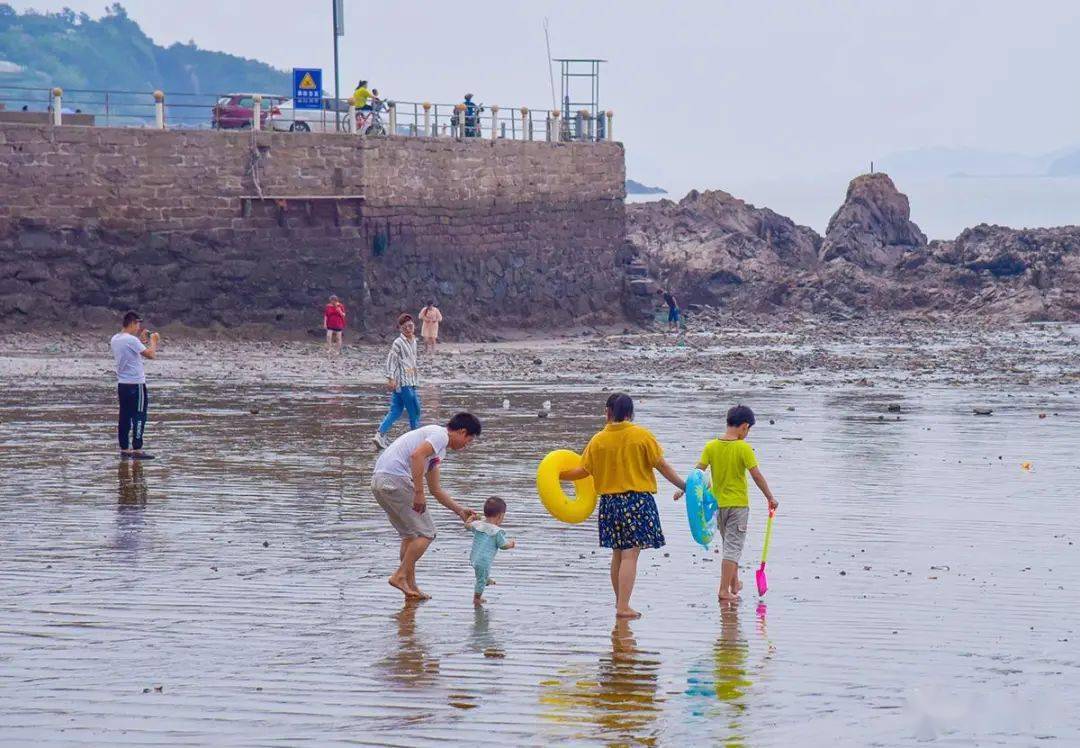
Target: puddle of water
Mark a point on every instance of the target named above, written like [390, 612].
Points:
[921, 588]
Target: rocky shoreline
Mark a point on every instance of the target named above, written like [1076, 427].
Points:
[718, 350]
[714, 249]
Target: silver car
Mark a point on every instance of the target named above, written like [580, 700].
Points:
[287, 118]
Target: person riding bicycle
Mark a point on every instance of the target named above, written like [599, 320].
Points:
[472, 117]
[360, 97]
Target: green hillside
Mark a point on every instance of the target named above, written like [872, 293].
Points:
[74, 51]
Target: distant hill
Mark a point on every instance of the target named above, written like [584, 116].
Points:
[1065, 165]
[936, 163]
[637, 188]
[74, 51]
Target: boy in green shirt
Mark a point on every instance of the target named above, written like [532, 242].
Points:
[729, 458]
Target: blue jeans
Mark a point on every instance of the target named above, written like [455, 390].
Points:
[402, 399]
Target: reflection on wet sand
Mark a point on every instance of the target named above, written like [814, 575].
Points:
[131, 494]
[483, 640]
[725, 678]
[410, 664]
[130, 484]
[621, 698]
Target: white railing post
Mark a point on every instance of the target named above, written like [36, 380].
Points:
[494, 121]
[590, 125]
[553, 127]
[427, 118]
[392, 117]
[350, 126]
[610, 116]
[526, 129]
[159, 109]
[459, 118]
[256, 112]
[57, 103]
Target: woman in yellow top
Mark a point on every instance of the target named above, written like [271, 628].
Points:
[621, 460]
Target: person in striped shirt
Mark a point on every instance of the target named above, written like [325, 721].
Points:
[402, 380]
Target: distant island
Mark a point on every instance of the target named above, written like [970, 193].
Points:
[637, 188]
[74, 51]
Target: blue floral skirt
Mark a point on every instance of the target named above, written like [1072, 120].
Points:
[629, 520]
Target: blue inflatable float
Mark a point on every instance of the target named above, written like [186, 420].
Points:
[701, 509]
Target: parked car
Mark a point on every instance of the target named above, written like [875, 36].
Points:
[234, 111]
[287, 118]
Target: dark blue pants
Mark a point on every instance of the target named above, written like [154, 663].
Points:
[133, 406]
[402, 399]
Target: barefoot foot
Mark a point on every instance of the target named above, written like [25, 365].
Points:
[399, 583]
[477, 600]
[627, 613]
[419, 594]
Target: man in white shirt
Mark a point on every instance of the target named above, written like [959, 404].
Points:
[398, 485]
[129, 347]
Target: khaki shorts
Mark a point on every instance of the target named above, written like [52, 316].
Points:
[395, 496]
[731, 524]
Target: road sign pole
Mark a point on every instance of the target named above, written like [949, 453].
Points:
[338, 23]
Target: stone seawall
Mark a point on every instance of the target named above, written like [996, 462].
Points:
[96, 220]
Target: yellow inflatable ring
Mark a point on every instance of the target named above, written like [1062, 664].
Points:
[555, 500]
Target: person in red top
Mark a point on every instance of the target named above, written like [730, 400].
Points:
[334, 322]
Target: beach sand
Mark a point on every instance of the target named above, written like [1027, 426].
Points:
[922, 583]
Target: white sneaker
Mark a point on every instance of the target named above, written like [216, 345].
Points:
[380, 440]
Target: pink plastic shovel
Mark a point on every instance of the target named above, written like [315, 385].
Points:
[762, 582]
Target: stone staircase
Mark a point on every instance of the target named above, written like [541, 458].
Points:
[639, 288]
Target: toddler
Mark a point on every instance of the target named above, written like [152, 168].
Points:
[488, 539]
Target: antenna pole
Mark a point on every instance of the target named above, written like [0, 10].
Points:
[551, 75]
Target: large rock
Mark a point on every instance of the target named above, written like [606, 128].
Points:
[712, 247]
[873, 228]
[1022, 273]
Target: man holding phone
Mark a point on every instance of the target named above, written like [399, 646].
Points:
[130, 346]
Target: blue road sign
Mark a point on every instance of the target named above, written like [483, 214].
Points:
[307, 88]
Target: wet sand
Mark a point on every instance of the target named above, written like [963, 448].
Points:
[923, 586]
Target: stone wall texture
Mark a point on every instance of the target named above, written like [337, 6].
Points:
[97, 220]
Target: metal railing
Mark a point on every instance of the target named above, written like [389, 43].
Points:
[412, 118]
[93, 107]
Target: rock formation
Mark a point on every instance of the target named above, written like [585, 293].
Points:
[712, 248]
[719, 246]
[873, 227]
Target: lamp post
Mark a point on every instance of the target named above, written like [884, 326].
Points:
[339, 30]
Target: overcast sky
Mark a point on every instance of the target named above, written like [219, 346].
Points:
[707, 93]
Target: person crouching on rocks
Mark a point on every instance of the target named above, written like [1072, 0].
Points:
[621, 459]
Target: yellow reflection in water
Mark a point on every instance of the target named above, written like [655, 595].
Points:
[620, 697]
[725, 679]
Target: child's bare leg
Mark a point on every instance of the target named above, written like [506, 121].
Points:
[627, 577]
[729, 571]
[481, 583]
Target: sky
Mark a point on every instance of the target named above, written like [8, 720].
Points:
[768, 100]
